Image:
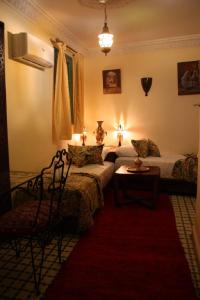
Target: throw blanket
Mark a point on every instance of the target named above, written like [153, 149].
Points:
[83, 196]
[186, 169]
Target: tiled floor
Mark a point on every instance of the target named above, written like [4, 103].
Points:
[16, 281]
[184, 209]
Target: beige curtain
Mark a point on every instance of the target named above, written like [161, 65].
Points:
[78, 91]
[61, 122]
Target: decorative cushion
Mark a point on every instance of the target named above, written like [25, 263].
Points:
[77, 155]
[141, 147]
[106, 150]
[153, 149]
[111, 156]
[83, 155]
[126, 150]
[94, 154]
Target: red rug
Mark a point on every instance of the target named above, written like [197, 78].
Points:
[131, 253]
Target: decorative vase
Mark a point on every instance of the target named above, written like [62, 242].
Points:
[100, 133]
[138, 163]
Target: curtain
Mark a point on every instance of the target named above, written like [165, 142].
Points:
[61, 116]
[78, 92]
[69, 61]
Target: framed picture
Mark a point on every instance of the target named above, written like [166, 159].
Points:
[189, 77]
[112, 81]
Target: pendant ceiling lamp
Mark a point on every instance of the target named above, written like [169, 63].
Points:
[105, 38]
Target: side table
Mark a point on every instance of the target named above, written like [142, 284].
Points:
[125, 181]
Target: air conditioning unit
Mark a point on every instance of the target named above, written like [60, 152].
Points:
[30, 50]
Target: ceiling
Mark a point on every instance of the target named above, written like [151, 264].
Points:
[131, 21]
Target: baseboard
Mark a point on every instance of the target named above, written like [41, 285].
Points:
[196, 239]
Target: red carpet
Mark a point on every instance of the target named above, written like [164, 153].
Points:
[131, 253]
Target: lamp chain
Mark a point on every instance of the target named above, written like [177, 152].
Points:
[105, 13]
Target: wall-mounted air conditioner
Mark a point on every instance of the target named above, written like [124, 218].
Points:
[30, 50]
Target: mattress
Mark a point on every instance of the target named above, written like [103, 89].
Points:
[104, 172]
[165, 162]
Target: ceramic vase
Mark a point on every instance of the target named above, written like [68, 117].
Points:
[138, 163]
[100, 133]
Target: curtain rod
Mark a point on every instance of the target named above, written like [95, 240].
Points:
[59, 41]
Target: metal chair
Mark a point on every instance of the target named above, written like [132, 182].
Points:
[38, 219]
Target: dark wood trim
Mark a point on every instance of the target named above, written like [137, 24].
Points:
[5, 202]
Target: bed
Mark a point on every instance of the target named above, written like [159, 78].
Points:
[170, 181]
[104, 171]
[165, 162]
[83, 193]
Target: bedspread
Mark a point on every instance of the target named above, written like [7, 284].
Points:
[186, 169]
[83, 196]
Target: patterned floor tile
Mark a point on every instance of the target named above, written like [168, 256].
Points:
[16, 273]
[16, 280]
[184, 210]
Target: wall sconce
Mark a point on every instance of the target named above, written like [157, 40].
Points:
[120, 135]
[146, 84]
[84, 136]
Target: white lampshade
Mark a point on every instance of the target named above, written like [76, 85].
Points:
[105, 38]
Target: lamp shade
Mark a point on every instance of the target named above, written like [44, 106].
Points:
[105, 38]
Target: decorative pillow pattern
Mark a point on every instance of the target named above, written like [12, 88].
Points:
[83, 155]
[94, 154]
[141, 147]
[153, 149]
[146, 148]
[77, 155]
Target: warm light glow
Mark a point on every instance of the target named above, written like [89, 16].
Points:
[120, 131]
[105, 38]
[84, 136]
[76, 137]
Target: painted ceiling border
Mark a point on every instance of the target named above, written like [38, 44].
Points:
[33, 12]
[29, 9]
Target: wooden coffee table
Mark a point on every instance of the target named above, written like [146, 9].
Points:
[127, 183]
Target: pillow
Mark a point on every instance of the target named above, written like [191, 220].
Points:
[94, 154]
[111, 156]
[153, 149]
[77, 155]
[106, 150]
[141, 147]
[126, 150]
[83, 155]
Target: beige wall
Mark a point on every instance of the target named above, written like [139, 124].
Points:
[29, 97]
[170, 120]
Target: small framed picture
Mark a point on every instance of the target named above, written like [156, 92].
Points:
[112, 81]
[189, 77]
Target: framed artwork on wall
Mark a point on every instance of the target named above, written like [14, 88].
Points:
[189, 77]
[112, 81]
